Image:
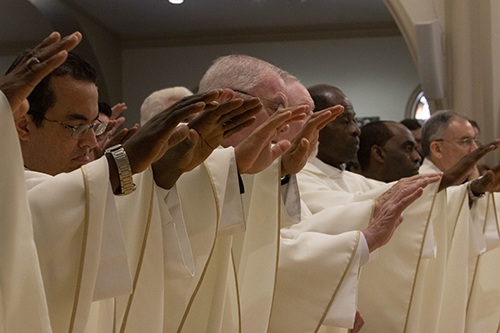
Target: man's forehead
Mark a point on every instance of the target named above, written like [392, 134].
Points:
[74, 99]
[400, 132]
[298, 95]
[458, 128]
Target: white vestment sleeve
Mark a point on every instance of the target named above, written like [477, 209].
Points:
[69, 213]
[325, 263]
[23, 306]
[344, 303]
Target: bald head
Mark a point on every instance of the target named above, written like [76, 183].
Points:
[242, 76]
[387, 151]
[339, 140]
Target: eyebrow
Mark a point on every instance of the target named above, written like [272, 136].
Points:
[78, 116]
[408, 142]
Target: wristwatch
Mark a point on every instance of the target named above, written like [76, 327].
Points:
[127, 185]
[473, 196]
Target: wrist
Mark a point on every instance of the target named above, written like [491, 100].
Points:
[122, 168]
[474, 192]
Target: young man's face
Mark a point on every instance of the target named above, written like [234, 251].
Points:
[402, 158]
[51, 148]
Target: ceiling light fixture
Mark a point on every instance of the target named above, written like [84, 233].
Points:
[176, 2]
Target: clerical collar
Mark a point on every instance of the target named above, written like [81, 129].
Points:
[330, 171]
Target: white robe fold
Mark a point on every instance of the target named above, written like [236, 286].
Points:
[76, 246]
[401, 264]
[23, 306]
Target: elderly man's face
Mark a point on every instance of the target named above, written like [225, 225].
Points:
[402, 158]
[297, 95]
[458, 141]
[339, 139]
[273, 89]
[51, 148]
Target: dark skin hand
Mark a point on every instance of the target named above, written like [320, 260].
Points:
[490, 182]
[457, 174]
[207, 131]
[19, 83]
[304, 143]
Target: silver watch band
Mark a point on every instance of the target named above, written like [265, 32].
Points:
[127, 185]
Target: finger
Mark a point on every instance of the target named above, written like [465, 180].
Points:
[209, 117]
[171, 117]
[322, 120]
[298, 113]
[178, 135]
[119, 137]
[206, 97]
[49, 50]
[237, 120]
[408, 200]
[130, 132]
[280, 148]
[41, 70]
[54, 37]
[249, 104]
[238, 128]
[336, 110]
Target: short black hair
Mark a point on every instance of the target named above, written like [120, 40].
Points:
[411, 124]
[43, 97]
[104, 108]
[374, 133]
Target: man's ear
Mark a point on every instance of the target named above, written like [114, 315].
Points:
[435, 149]
[23, 127]
[227, 95]
[378, 154]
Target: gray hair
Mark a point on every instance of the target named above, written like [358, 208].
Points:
[236, 72]
[435, 127]
[161, 100]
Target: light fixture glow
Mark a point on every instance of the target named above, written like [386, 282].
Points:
[176, 2]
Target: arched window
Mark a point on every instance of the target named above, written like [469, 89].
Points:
[417, 106]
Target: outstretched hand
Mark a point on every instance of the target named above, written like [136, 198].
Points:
[117, 110]
[305, 142]
[207, 130]
[256, 152]
[162, 132]
[391, 204]
[38, 63]
[489, 182]
[218, 122]
[458, 173]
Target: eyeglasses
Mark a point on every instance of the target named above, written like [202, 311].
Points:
[278, 104]
[79, 131]
[465, 142]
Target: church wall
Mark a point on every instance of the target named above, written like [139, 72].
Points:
[377, 73]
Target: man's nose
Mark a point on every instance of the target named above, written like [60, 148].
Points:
[88, 139]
